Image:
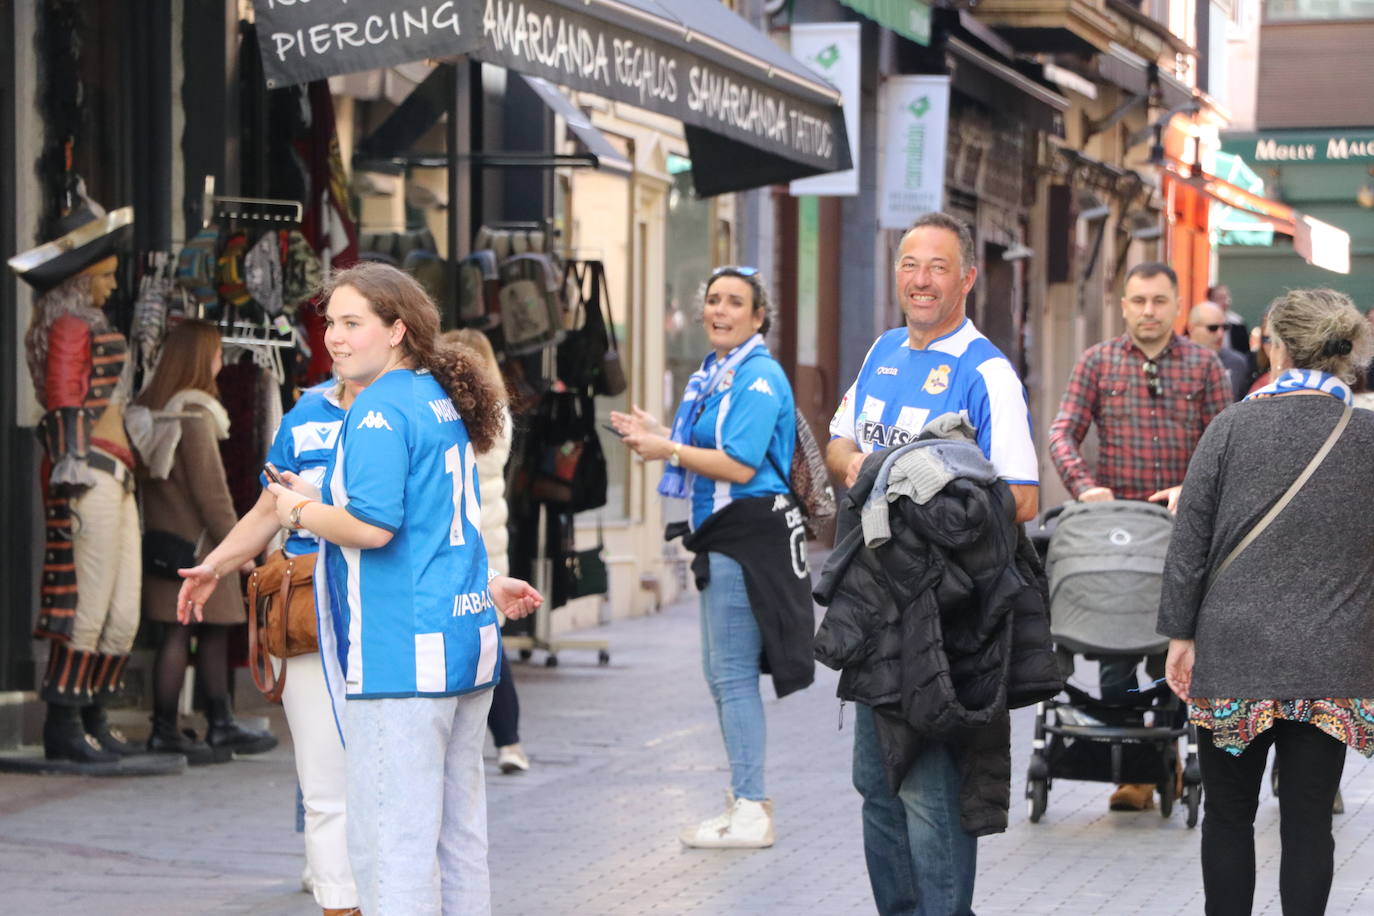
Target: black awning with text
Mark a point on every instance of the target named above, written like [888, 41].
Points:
[691, 60]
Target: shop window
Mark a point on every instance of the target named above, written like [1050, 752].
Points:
[688, 262]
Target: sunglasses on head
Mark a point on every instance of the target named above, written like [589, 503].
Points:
[734, 270]
[1212, 327]
[1152, 381]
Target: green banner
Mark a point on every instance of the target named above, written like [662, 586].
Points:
[1302, 146]
[908, 18]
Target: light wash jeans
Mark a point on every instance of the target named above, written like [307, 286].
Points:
[731, 647]
[417, 805]
[321, 769]
[920, 860]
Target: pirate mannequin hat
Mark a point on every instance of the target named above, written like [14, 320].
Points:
[86, 234]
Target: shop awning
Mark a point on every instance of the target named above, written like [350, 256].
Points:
[605, 156]
[1232, 225]
[1003, 88]
[1320, 243]
[737, 93]
[1131, 72]
[908, 18]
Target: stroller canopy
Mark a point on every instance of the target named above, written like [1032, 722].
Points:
[1106, 567]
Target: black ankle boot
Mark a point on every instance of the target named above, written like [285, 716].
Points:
[166, 739]
[64, 738]
[224, 732]
[97, 725]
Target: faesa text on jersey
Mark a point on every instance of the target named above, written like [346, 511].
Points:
[883, 436]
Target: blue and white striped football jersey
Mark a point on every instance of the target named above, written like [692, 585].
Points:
[899, 390]
[304, 444]
[412, 618]
[750, 416]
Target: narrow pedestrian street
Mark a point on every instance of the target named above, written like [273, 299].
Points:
[623, 757]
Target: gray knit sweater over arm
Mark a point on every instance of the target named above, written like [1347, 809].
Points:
[1293, 616]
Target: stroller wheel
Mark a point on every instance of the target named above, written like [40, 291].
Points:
[1037, 799]
[1168, 789]
[1192, 798]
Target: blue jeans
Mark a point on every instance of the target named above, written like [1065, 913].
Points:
[731, 647]
[920, 860]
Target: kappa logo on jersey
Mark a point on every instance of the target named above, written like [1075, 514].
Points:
[761, 385]
[374, 420]
[937, 381]
[309, 437]
[887, 370]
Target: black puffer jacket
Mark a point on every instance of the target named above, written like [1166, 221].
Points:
[941, 630]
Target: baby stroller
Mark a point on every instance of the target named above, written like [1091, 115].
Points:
[1105, 564]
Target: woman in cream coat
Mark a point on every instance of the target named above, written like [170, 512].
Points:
[504, 719]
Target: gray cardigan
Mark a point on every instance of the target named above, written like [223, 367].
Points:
[1293, 616]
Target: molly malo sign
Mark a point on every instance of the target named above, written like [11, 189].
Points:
[1352, 146]
[302, 40]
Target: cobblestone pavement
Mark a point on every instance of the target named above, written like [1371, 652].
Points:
[623, 757]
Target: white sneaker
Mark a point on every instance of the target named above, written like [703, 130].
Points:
[512, 759]
[746, 824]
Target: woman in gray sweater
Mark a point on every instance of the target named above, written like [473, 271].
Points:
[1280, 651]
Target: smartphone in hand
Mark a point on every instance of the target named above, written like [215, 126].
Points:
[274, 475]
[613, 429]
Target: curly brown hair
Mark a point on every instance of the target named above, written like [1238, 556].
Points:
[395, 295]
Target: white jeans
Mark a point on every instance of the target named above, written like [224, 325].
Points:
[107, 549]
[417, 805]
[322, 771]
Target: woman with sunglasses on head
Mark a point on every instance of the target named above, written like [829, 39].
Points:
[410, 634]
[1268, 602]
[728, 452]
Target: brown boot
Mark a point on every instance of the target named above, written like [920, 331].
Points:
[351, 911]
[1133, 797]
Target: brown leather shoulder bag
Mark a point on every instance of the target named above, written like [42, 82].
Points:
[281, 618]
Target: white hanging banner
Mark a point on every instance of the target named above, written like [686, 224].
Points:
[913, 122]
[832, 50]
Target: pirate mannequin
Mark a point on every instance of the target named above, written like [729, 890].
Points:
[92, 564]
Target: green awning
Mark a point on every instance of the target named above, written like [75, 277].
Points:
[908, 18]
[1231, 225]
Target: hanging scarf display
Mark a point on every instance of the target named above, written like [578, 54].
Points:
[1305, 380]
[677, 482]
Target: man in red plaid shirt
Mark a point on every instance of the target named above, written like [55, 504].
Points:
[1150, 393]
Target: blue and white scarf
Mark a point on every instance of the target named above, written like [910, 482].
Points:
[677, 482]
[1306, 380]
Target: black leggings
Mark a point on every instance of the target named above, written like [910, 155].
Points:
[1311, 761]
[212, 663]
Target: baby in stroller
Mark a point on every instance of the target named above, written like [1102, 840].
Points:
[1104, 562]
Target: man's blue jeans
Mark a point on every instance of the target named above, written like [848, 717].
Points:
[920, 860]
[731, 646]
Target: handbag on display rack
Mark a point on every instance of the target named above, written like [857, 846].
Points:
[565, 466]
[589, 356]
[584, 571]
[531, 312]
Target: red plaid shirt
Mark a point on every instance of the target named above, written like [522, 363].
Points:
[1145, 440]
